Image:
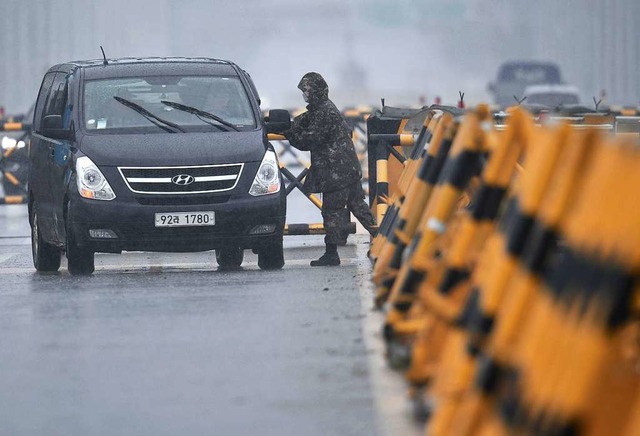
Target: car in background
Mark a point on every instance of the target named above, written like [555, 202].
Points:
[553, 96]
[153, 154]
[514, 77]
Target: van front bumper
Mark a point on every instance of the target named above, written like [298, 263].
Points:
[133, 224]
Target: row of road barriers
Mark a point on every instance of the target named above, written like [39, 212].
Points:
[508, 266]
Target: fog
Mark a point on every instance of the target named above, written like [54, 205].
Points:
[407, 51]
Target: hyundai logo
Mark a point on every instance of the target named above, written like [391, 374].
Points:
[183, 179]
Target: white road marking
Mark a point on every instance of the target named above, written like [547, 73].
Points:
[392, 406]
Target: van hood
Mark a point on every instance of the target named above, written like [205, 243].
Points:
[174, 148]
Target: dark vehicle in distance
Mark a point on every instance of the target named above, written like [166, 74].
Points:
[514, 77]
[154, 154]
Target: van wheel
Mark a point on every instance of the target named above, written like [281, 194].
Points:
[46, 257]
[80, 260]
[229, 257]
[271, 256]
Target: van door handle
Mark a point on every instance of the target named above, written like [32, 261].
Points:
[52, 152]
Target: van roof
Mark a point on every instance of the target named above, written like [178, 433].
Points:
[115, 67]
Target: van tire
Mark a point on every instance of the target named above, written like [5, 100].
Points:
[80, 260]
[46, 257]
[229, 257]
[271, 256]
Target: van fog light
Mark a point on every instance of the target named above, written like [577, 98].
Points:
[102, 234]
[262, 229]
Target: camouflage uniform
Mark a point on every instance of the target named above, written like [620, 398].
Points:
[335, 169]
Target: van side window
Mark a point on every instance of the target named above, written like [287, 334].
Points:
[45, 89]
[57, 96]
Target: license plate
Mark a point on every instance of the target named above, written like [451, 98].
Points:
[185, 219]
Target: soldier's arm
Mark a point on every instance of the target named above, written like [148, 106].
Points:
[306, 133]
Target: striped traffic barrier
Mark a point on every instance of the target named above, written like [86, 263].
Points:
[410, 162]
[13, 199]
[447, 286]
[11, 177]
[390, 256]
[460, 362]
[407, 177]
[7, 126]
[568, 350]
[313, 229]
[383, 187]
[539, 248]
[464, 163]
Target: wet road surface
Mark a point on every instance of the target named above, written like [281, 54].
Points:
[165, 344]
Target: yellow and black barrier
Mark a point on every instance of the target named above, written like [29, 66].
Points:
[10, 177]
[400, 184]
[464, 163]
[526, 318]
[313, 229]
[423, 162]
[13, 199]
[538, 247]
[384, 172]
[406, 178]
[13, 126]
[566, 359]
[501, 253]
[448, 284]
[389, 257]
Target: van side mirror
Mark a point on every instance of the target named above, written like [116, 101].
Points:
[278, 121]
[52, 128]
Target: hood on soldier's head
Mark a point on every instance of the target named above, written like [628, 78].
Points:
[316, 85]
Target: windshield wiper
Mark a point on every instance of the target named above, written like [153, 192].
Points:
[163, 124]
[200, 114]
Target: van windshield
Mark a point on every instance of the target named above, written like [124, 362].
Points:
[223, 96]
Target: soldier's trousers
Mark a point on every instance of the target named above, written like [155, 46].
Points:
[333, 206]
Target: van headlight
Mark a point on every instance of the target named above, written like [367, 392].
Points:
[267, 179]
[91, 182]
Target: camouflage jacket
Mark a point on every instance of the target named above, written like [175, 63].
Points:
[323, 131]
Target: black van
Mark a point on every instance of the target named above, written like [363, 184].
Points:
[153, 154]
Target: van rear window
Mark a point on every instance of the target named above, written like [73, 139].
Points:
[105, 108]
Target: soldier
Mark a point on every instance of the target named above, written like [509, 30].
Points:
[335, 169]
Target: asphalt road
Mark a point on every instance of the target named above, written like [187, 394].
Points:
[166, 344]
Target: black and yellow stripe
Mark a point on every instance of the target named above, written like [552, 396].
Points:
[313, 229]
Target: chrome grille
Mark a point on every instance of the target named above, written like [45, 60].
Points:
[171, 180]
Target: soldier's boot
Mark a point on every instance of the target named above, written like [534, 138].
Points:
[329, 258]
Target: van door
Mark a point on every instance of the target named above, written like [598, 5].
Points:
[39, 170]
[60, 151]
